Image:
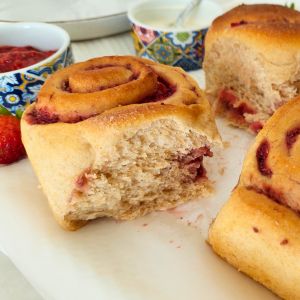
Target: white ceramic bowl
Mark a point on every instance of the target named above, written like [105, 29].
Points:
[81, 19]
[19, 88]
[155, 39]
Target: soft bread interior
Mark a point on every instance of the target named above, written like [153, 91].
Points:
[145, 170]
[122, 164]
[262, 84]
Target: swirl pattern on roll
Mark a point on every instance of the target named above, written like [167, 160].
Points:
[272, 164]
[89, 88]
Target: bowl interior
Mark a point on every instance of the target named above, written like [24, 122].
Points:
[159, 14]
[38, 35]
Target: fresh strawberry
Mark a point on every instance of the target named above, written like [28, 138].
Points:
[11, 147]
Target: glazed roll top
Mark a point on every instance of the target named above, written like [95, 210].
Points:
[90, 88]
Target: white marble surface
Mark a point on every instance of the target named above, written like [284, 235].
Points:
[13, 286]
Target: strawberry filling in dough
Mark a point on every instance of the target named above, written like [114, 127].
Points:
[237, 109]
[192, 163]
[43, 116]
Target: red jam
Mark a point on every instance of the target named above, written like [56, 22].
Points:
[291, 137]
[14, 58]
[164, 90]
[229, 99]
[240, 23]
[262, 153]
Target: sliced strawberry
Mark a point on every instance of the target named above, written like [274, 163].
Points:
[11, 147]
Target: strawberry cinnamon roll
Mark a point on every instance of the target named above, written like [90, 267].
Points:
[252, 62]
[258, 230]
[90, 88]
[119, 137]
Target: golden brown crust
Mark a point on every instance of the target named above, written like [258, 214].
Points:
[92, 87]
[70, 225]
[197, 116]
[74, 147]
[282, 181]
[261, 239]
[261, 13]
[258, 229]
[259, 25]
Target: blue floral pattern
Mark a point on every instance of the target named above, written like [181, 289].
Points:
[20, 89]
[181, 49]
[182, 39]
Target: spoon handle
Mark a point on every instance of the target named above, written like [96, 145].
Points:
[186, 12]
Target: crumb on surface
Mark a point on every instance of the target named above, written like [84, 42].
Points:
[222, 171]
[284, 242]
[226, 144]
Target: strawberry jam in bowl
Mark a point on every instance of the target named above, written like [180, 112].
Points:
[14, 58]
[29, 53]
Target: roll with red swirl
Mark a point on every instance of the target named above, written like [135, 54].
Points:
[258, 229]
[118, 136]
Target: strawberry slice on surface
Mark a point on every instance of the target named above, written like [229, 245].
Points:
[11, 147]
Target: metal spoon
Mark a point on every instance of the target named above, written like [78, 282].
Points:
[181, 18]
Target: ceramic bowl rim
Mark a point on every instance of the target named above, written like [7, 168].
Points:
[40, 26]
[136, 6]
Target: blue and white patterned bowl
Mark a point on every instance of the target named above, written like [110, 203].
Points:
[19, 88]
[179, 47]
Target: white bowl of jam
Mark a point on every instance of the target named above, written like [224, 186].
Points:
[29, 53]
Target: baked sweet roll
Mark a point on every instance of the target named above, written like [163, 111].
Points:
[252, 62]
[258, 229]
[119, 137]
